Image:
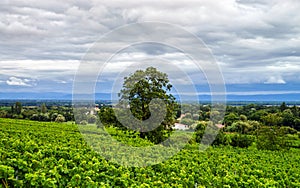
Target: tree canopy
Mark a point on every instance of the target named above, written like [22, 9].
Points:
[139, 91]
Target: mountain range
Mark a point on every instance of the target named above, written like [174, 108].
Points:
[107, 96]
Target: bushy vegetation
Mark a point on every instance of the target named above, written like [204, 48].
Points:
[253, 146]
[252, 115]
[41, 154]
[267, 127]
[137, 105]
[256, 146]
[38, 113]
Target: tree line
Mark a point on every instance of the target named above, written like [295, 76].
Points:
[37, 113]
[270, 125]
[249, 115]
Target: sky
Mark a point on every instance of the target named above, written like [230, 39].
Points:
[255, 43]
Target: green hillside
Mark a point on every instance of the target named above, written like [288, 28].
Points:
[35, 154]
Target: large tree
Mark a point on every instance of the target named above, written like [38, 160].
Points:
[142, 87]
[18, 108]
[44, 108]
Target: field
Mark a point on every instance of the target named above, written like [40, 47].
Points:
[35, 154]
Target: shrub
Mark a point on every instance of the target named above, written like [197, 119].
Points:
[60, 118]
[242, 141]
[243, 117]
[287, 130]
[34, 117]
[187, 116]
[196, 117]
[243, 127]
[210, 135]
[83, 122]
[220, 139]
[186, 121]
[44, 117]
[91, 118]
[270, 138]
[199, 129]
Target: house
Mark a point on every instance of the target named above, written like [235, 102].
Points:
[179, 126]
[220, 126]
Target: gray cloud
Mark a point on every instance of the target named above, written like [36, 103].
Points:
[253, 41]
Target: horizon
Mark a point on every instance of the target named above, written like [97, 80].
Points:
[55, 96]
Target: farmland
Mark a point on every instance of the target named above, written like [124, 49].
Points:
[45, 154]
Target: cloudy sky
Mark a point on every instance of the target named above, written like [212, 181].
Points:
[255, 42]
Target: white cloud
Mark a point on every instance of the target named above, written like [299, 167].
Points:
[39, 69]
[253, 40]
[14, 81]
[275, 80]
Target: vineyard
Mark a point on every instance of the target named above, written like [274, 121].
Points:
[36, 154]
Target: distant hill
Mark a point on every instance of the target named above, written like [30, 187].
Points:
[107, 96]
[36, 96]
